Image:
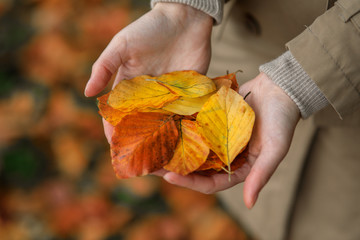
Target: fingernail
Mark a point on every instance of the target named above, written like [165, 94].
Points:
[168, 178]
[86, 87]
[252, 204]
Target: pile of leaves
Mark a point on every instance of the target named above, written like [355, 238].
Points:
[182, 121]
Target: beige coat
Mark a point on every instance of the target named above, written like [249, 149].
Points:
[315, 193]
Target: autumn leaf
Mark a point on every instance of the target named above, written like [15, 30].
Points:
[112, 115]
[143, 143]
[191, 151]
[187, 106]
[228, 80]
[220, 82]
[154, 123]
[240, 160]
[214, 165]
[212, 162]
[139, 92]
[226, 123]
[188, 84]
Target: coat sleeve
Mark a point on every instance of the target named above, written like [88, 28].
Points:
[329, 52]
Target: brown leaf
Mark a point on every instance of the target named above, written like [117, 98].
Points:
[214, 165]
[212, 162]
[239, 160]
[227, 80]
[143, 143]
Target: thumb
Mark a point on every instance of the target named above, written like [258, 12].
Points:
[104, 67]
[263, 168]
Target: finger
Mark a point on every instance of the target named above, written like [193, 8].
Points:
[208, 185]
[104, 67]
[263, 168]
[159, 173]
[195, 182]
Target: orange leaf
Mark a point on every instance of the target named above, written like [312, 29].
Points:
[239, 160]
[214, 165]
[191, 151]
[143, 143]
[112, 115]
[212, 162]
[228, 80]
[219, 82]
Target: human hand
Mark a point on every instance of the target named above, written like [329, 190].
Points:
[276, 118]
[170, 37]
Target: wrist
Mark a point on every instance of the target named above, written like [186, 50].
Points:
[288, 74]
[277, 92]
[184, 14]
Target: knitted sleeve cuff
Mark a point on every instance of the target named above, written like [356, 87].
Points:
[288, 74]
[214, 8]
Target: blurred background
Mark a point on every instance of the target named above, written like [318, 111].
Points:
[56, 178]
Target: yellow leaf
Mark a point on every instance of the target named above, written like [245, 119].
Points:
[191, 151]
[187, 106]
[114, 116]
[139, 92]
[226, 122]
[188, 84]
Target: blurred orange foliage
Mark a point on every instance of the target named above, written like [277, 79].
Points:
[56, 178]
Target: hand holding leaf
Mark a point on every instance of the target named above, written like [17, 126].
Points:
[277, 117]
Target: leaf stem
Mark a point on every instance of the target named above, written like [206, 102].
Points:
[228, 171]
[247, 95]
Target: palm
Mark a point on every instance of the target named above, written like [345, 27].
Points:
[158, 42]
[276, 119]
[160, 49]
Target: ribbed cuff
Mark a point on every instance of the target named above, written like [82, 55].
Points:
[288, 74]
[214, 8]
